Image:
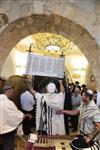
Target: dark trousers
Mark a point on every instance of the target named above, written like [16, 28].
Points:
[7, 141]
[27, 123]
[67, 105]
[74, 121]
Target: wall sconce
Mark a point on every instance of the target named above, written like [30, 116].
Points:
[92, 78]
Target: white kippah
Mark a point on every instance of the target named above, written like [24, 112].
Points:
[51, 87]
[90, 92]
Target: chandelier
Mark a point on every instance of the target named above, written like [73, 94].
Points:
[51, 42]
[46, 44]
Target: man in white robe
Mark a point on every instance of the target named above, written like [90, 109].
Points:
[10, 118]
[47, 105]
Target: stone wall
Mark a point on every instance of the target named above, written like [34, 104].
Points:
[74, 19]
[85, 13]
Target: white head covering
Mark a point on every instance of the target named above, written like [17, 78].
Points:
[51, 87]
[90, 92]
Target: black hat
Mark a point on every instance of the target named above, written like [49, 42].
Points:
[77, 82]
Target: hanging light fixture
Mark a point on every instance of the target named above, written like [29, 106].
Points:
[47, 44]
[52, 47]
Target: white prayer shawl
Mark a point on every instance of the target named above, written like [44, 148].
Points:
[89, 114]
[10, 116]
[54, 102]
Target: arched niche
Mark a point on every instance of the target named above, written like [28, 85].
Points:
[28, 25]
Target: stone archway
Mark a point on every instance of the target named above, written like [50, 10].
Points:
[24, 27]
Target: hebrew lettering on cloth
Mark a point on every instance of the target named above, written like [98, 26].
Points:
[45, 66]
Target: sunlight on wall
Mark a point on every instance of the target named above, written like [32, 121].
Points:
[79, 62]
[20, 61]
[77, 66]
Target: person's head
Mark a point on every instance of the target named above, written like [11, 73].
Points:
[77, 91]
[77, 83]
[72, 85]
[83, 86]
[95, 97]
[2, 81]
[51, 88]
[87, 96]
[2, 78]
[8, 90]
[28, 82]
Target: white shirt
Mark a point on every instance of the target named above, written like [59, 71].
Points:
[56, 102]
[10, 116]
[27, 101]
[76, 101]
[98, 98]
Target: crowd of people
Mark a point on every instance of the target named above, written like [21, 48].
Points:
[58, 112]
